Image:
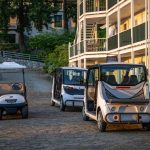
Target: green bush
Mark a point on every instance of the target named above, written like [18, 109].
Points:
[57, 58]
[48, 41]
[9, 46]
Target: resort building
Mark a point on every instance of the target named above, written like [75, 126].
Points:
[118, 28]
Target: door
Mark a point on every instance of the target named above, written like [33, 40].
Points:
[92, 80]
[57, 83]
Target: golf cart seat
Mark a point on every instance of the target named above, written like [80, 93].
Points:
[125, 80]
[111, 80]
[133, 79]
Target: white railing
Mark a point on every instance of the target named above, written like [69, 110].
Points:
[92, 45]
[15, 55]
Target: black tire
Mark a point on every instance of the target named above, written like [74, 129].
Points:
[52, 103]
[24, 112]
[1, 114]
[62, 106]
[84, 116]
[101, 123]
[146, 126]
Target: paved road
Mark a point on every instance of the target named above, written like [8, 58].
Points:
[49, 129]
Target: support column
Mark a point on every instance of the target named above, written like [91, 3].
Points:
[146, 34]
[148, 14]
[84, 34]
[132, 25]
[107, 31]
[84, 6]
[118, 19]
[79, 62]
[85, 63]
[119, 57]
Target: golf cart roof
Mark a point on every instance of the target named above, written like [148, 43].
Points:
[115, 63]
[74, 68]
[11, 65]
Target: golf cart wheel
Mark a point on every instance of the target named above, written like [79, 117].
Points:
[101, 123]
[62, 106]
[84, 116]
[1, 114]
[24, 112]
[52, 103]
[146, 126]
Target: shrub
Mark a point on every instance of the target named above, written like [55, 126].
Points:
[57, 58]
[9, 46]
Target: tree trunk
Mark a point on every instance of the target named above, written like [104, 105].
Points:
[65, 15]
[21, 25]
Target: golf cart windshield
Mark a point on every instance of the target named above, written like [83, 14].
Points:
[11, 76]
[74, 77]
[128, 75]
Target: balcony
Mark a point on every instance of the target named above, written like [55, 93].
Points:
[91, 6]
[139, 33]
[111, 3]
[92, 45]
[99, 5]
[95, 45]
[113, 42]
[125, 38]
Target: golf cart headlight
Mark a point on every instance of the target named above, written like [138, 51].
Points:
[113, 108]
[141, 108]
[16, 86]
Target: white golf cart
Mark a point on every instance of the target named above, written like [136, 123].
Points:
[68, 87]
[117, 94]
[12, 90]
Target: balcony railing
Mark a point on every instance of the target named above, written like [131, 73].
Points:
[81, 8]
[111, 3]
[113, 42]
[71, 51]
[125, 38]
[139, 33]
[92, 45]
[81, 47]
[92, 6]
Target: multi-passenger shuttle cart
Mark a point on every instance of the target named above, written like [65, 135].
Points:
[68, 87]
[12, 90]
[117, 94]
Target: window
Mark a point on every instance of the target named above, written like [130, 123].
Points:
[73, 77]
[123, 74]
[58, 21]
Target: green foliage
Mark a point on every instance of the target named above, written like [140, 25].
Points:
[47, 42]
[40, 12]
[57, 58]
[5, 10]
[9, 46]
[26, 11]
[101, 32]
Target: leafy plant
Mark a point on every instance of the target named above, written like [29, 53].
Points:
[57, 58]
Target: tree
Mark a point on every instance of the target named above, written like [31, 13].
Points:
[70, 11]
[4, 15]
[4, 20]
[57, 58]
[26, 11]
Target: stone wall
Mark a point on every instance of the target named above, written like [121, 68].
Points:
[29, 64]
